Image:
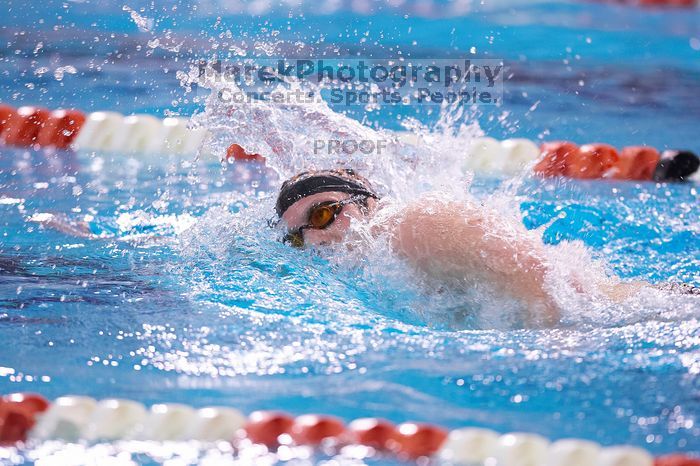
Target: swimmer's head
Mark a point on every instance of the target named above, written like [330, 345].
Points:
[317, 206]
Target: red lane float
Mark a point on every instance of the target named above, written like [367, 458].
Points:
[375, 433]
[667, 3]
[5, 113]
[312, 429]
[265, 427]
[74, 418]
[592, 161]
[28, 126]
[37, 127]
[23, 126]
[554, 158]
[18, 415]
[416, 439]
[60, 128]
[237, 152]
[563, 158]
[658, 3]
[595, 161]
[676, 460]
[636, 163]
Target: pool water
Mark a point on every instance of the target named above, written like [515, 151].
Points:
[189, 298]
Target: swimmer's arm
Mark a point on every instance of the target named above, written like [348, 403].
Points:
[457, 240]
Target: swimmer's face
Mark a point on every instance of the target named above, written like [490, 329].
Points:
[298, 215]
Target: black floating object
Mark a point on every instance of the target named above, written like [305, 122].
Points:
[676, 165]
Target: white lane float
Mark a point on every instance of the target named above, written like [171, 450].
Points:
[30, 417]
[114, 419]
[98, 131]
[135, 134]
[216, 423]
[476, 446]
[624, 456]
[519, 153]
[177, 138]
[573, 452]
[66, 419]
[168, 421]
[73, 418]
[145, 134]
[521, 449]
[485, 154]
[469, 445]
[138, 134]
[489, 155]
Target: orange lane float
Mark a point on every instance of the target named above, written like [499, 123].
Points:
[60, 128]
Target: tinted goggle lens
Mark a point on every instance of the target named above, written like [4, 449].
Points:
[323, 215]
[320, 217]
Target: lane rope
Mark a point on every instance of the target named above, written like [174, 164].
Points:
[145, 134]
[27, 418]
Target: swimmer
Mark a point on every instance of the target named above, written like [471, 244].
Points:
[447, 240]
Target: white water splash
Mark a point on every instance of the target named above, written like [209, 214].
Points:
[432, 161]
[162, 40]
[143, 23]
[286, 135]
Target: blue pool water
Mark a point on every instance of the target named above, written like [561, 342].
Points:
[192, 300]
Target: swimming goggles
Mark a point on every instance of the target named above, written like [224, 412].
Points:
[321, 216]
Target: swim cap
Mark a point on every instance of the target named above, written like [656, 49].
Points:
[305, 184]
